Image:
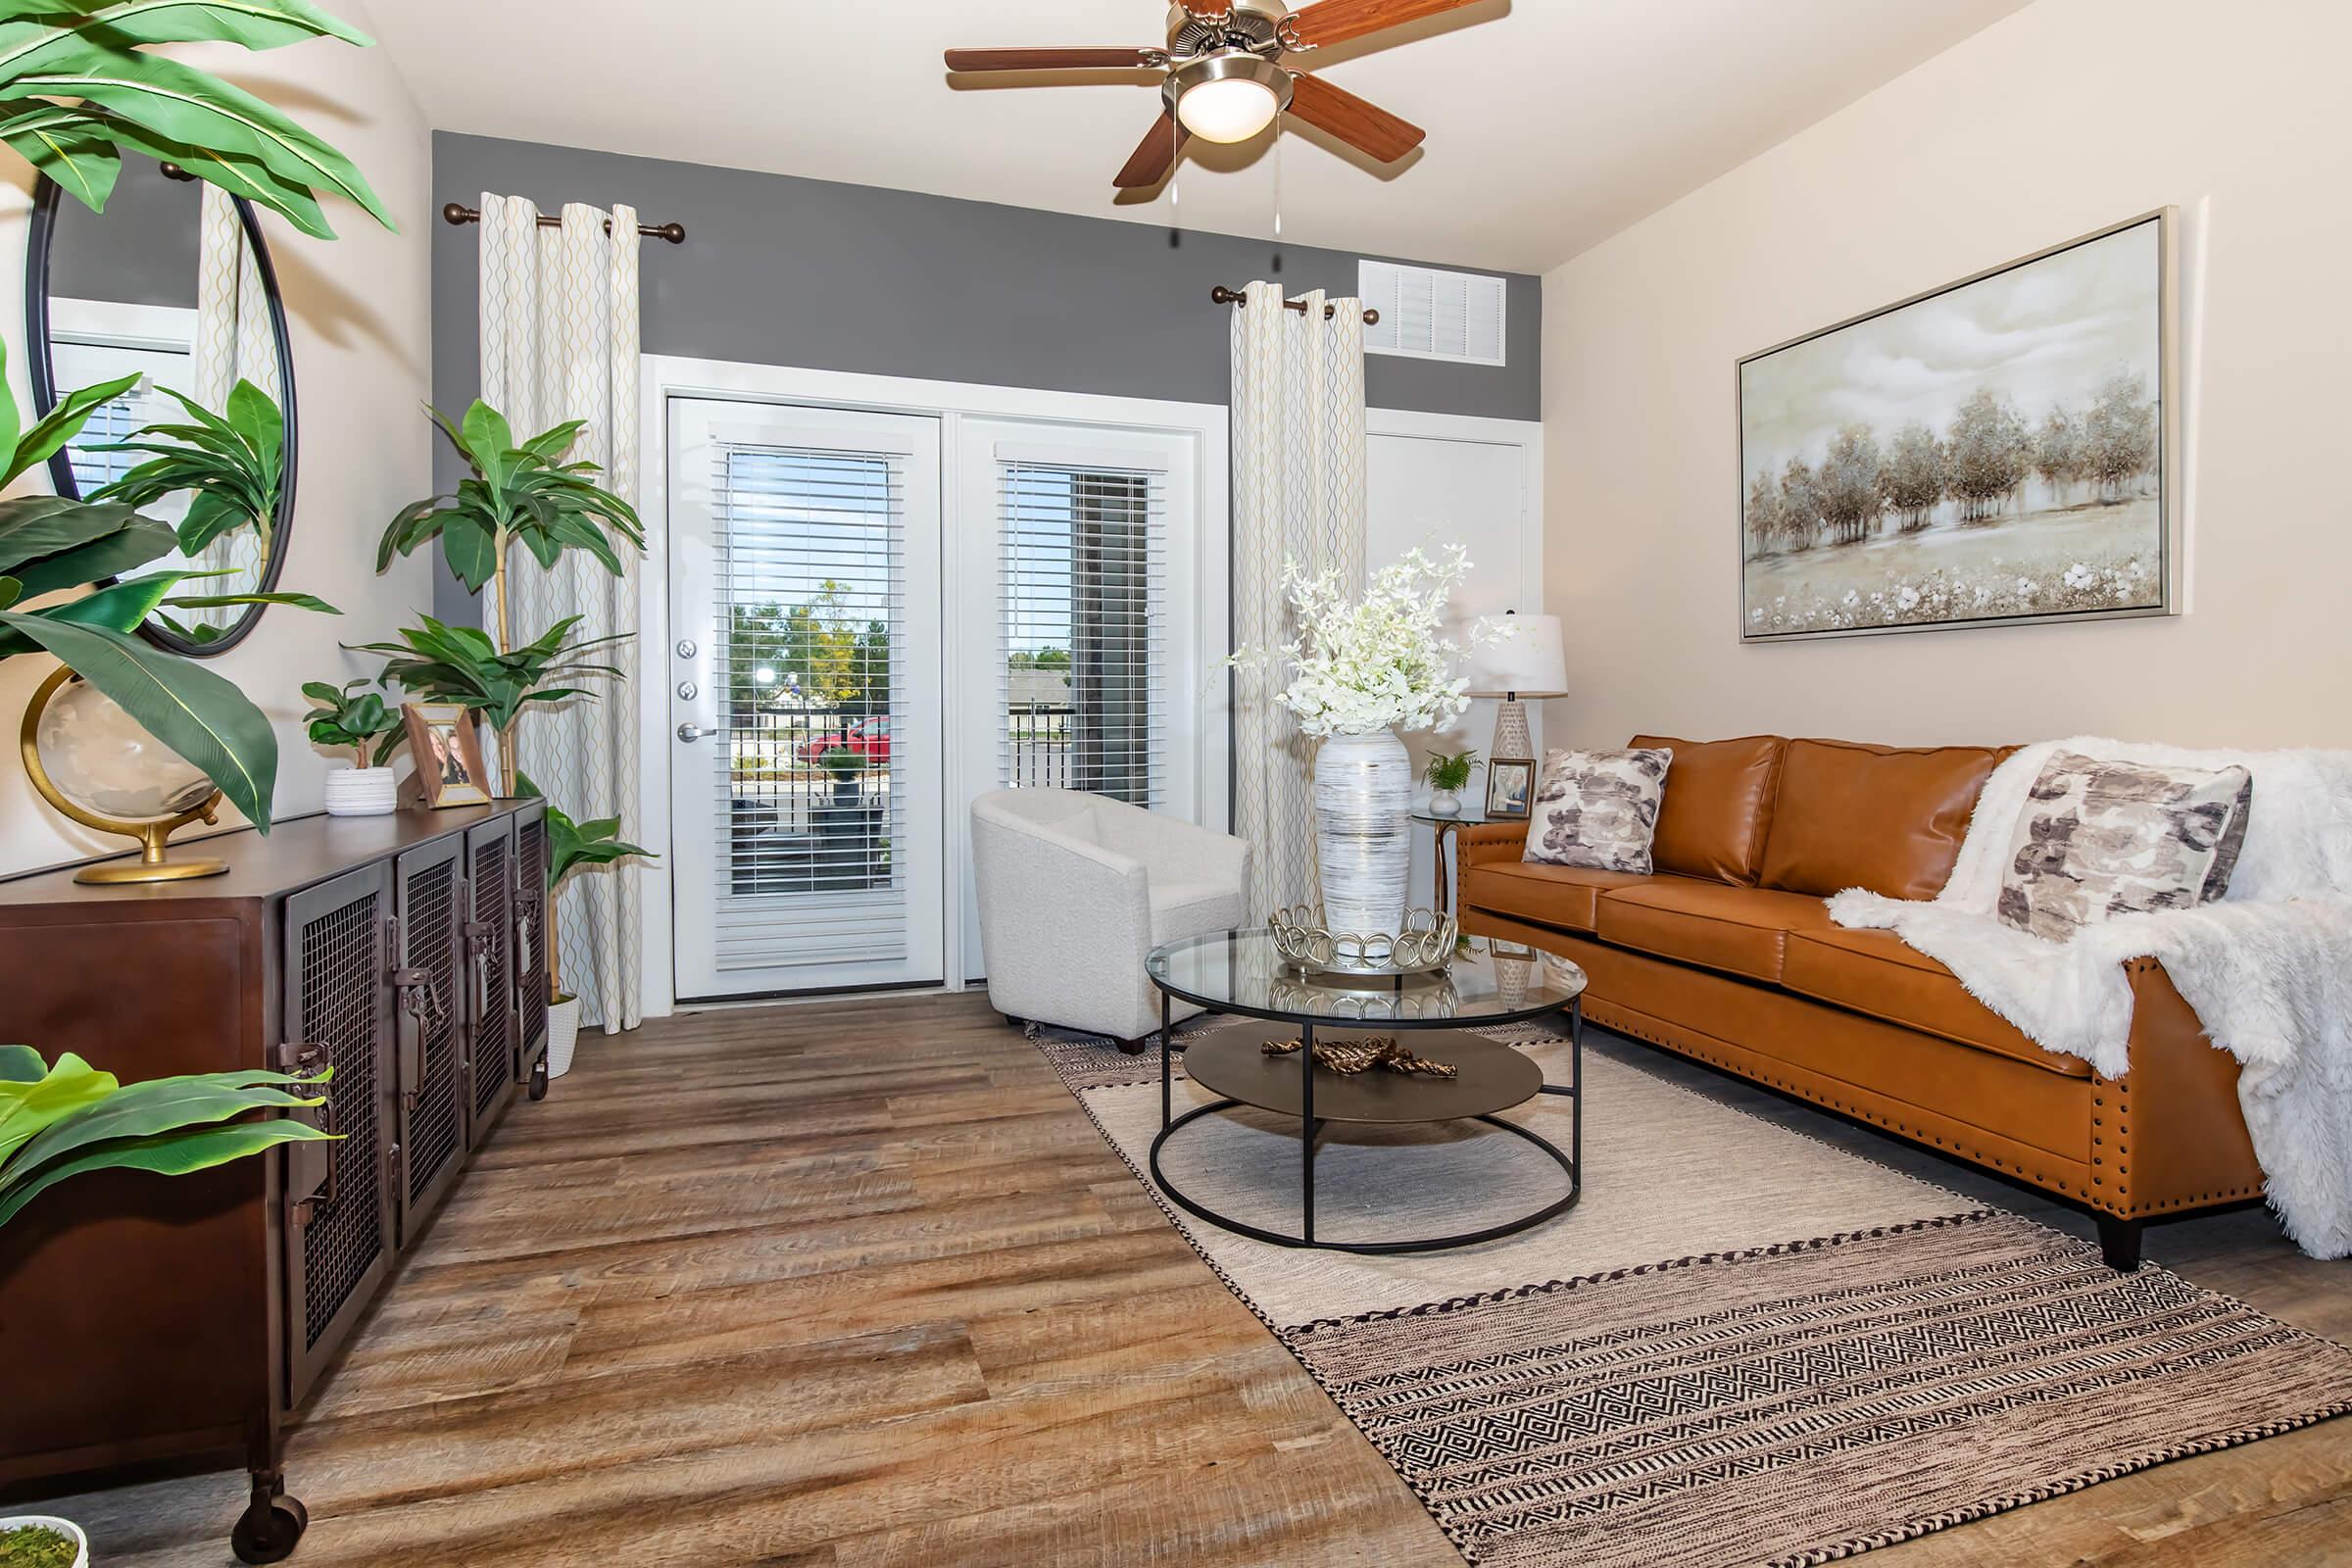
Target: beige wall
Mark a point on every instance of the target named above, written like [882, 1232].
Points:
[359, 310]
[2062, 118]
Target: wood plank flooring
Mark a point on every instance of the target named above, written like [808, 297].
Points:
[856, 1283]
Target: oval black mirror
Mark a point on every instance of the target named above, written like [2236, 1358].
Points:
[173, 284]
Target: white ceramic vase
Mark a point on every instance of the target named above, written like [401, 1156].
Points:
[361, 792]
[562, 1035]
[1445, 803]
[64, 1527]
[1363, 831]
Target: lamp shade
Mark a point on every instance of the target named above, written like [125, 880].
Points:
[1529, 661]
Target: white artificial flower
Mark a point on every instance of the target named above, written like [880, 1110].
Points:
[1383, 662]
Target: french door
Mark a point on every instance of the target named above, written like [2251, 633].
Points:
[808, 744]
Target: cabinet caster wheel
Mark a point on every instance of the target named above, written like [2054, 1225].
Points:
[538, 1089]
[267, 1532]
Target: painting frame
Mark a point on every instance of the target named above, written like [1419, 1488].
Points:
[2170, 584]
[428, 721]
[1500, 794]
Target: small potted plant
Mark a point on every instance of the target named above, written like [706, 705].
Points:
[1449, 776]
[66, 1118]
[570, 846]
[358, 719]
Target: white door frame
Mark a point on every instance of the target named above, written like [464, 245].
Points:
[969, 544]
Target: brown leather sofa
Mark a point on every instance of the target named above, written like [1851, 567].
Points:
[1728, 954]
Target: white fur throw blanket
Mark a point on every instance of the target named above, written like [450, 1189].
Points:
[2268, 968]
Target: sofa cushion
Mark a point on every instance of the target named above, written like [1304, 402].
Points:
[1879, 818]
[1563, 896]
[1877, 973]
[1741, 931]
[2098, 839]
[1598, 809]
[1718, 805]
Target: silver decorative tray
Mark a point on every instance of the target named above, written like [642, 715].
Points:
[1426, 944]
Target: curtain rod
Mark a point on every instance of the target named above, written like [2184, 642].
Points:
[676, 233]
[1221, 295]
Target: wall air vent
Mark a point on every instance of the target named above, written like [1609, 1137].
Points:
[1429, 315]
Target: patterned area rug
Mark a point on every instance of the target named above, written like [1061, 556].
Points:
[1742, 1346]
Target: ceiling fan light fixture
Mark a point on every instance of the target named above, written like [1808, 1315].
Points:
[1229, 96]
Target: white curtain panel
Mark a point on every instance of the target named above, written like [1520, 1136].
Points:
[236, 340]
[560, 325]
[1298, 495]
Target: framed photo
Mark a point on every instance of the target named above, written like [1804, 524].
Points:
[1999, 451]
[448, 752]
[1510, 784]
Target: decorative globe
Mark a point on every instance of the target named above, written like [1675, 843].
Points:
[97, 756]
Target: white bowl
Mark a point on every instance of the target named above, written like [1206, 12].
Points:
[64, 1527]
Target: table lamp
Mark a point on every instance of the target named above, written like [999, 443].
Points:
[1527, 663]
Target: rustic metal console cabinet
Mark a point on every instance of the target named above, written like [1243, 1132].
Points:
[145, 1319]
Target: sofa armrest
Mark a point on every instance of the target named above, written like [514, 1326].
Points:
[2169, 1135]
[1487, 842]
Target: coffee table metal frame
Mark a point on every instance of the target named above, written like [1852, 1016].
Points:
[1570, 1161]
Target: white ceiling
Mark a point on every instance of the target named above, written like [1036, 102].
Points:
[1553, 123]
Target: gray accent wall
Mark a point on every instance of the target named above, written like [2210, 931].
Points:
[779, 270]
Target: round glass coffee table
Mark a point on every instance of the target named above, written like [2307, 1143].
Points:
[1239, 973]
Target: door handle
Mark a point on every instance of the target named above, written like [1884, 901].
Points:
[690, 733]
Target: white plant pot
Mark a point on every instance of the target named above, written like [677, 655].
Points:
[64, 1527]
[562, 1035]
[361, 792]
[1363, 831]
[1445, 803]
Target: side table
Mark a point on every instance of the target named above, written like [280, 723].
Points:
[1467, 816]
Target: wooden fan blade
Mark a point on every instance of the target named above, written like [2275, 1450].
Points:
[1338, 21]
[1052, 58]
[1155, 156]
[1352, 119]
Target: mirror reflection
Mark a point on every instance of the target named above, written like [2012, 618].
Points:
[172, 284]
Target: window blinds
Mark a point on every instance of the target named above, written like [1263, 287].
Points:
[811, 577]
[1084, 584]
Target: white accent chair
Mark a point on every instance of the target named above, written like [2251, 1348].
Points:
[1077, 889]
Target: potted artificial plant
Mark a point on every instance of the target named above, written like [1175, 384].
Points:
[66, 1118]
[520, 494]
[570, 846]
[356, 718]
[1449, 774]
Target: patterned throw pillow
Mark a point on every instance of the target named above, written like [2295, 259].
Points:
[2120, 838]
[1598, 809]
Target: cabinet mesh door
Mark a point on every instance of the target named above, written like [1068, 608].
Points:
[493, 988]
[337, 1004]
[436, 1118]
[530, 930]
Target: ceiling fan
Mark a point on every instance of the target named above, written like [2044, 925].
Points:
[1226, 80]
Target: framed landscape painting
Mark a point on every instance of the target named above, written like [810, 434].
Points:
[1998, 450]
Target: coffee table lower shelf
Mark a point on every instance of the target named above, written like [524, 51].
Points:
[1491, 1078]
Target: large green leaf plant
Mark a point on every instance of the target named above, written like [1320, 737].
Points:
[231, 466]
[48, 543]
[80, 87]
[520, 493]
[66, 1118]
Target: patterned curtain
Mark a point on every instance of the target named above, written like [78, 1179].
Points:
[235, 341]
[1298, 495]
[559, 322]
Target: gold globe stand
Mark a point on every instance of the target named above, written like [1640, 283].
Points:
[152, 836]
